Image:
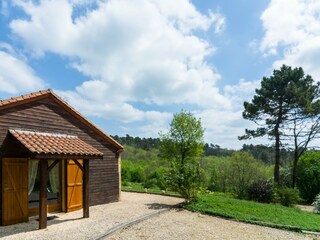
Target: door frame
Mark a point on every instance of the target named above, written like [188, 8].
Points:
[56, 207]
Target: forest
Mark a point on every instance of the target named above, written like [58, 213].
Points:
[222, 169]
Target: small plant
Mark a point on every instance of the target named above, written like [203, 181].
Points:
[316, 204]
[125, 183]
[261, 191]
[287, 196]
[150, 183]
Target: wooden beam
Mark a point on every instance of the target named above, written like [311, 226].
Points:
[78, 164]
[85, 188]
[53, 164]
[43, 194]
[118, 157]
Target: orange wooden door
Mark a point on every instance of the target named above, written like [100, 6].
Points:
[74, 186]
[14, 191]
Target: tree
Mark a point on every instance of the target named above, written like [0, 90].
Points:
[285, 92]
[182, 147]
[243, 171]
[303, 123]
[309, 175]
[305, 129]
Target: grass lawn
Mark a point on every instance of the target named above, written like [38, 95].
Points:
[259, 213]
[137, 187]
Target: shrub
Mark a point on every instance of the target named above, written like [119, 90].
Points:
[243, 171]
[125, 183]
[150, 183]
[138, 175]
[221, 176]
[126, 169]
[158, 175]
[261, 191]
[309, 175]
[316, 204]
[287, 196]
[286, 176]
[184, 179]
[132, 172]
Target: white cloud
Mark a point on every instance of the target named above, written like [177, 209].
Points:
[243, 91]
[293, 28]
[139, 51]
[224, 126]
[16, 76]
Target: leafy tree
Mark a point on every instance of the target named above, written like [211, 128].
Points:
[132, 172]
[182, 147]
[309, 175]
[243, 171]
[285, 92]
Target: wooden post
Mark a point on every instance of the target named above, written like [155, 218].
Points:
[85, 188]
[118, 156]
[43, 194]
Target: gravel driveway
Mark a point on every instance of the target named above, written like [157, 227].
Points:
[182, 224]
[175, 224]
[102, 218]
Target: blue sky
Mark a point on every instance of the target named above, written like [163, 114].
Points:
[129, 65]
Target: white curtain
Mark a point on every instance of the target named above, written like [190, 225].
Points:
[32, 174]
[54, 177]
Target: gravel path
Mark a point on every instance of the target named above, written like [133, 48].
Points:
[102, 218]
[175, 224]
[182, 224]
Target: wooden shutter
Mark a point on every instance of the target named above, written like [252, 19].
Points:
[74, 186]
[14, 191]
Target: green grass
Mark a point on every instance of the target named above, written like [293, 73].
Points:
[137, 187]
[259, 213]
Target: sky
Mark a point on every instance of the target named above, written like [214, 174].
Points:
[128, 66]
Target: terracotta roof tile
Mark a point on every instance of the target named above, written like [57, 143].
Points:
[54, 143]
[23, 97]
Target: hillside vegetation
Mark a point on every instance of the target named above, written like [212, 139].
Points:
[141, 164]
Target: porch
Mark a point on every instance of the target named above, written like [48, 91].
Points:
[23, 153]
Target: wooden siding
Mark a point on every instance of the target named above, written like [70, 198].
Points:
[46, 115]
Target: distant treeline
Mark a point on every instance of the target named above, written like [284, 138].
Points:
[137, 142]
[261, 152]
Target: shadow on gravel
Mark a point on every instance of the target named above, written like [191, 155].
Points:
[158, 206]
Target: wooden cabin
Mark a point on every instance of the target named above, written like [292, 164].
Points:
[53, 159]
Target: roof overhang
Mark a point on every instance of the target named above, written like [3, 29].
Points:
[45, 145]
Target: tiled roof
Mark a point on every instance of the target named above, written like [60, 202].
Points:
[54, 143]
[24, 97]
[7, 103]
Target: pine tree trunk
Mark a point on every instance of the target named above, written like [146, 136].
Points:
[277, 158]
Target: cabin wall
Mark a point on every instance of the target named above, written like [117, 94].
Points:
[46, 115]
